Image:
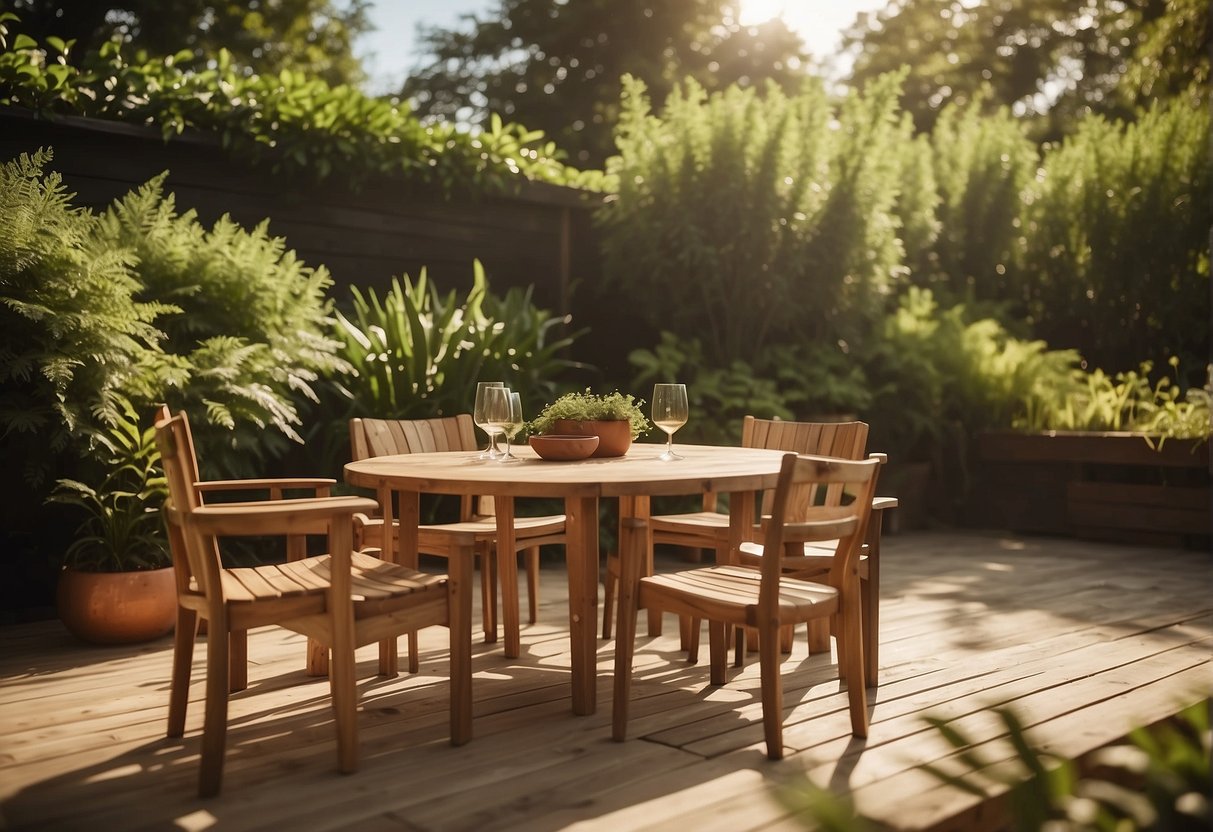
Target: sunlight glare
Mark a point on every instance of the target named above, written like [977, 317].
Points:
[754, 12]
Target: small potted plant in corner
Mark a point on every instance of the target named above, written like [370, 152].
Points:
[117, 584]
[615, 418]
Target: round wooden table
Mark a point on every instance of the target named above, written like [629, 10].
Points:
[632, 478]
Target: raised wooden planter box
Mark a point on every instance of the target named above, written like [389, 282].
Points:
[1101, 486]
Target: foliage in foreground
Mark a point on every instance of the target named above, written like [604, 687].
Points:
[1156, 782]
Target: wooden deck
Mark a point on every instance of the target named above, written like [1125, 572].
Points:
[1084, 640]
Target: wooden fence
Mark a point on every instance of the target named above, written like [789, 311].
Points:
[542, 236]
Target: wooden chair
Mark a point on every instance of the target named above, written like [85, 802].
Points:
[709, 528]
[343, 599]
[764, 599]
[296, 546]
[383, 437]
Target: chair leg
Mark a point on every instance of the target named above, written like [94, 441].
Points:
[694, 625]
[786, 635]
[214, 726]
[869, 592]
[850, 667]
[819, 636]
[183, 659]
[718, 651]
[488, 594]
[741, 637]
[609, 581]
[532, 583]
[237, 660]
[317, 659]
[769, 656]
[341, 627]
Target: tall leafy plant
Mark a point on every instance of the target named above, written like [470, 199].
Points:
[416, 353]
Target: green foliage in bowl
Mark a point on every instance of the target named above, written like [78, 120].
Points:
[591, 407]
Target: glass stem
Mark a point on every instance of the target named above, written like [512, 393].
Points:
[669, 444]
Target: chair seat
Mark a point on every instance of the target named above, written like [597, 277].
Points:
[731, 593]
[372, 580]
[705, 521]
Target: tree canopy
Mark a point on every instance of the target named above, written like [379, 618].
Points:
[311, 36]
[556, 65]
[1051, 61]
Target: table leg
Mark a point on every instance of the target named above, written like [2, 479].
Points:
[632, 539]
[507, 575]
[581, 552]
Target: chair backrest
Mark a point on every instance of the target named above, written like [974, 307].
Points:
[842, 440]
[193, 555]
[845, 523]
[387, 437]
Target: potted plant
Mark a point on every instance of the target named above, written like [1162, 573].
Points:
[117, 585]
[615, 418]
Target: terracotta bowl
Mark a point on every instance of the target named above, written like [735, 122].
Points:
[558, 447]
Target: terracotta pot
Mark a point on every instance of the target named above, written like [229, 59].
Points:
[118, 607]
[614, 437]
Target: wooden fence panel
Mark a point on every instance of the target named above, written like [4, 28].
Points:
[542, 236]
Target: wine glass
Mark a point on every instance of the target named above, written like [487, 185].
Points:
[478, 417]
[669, 413]
[513, 425]
[496, 416]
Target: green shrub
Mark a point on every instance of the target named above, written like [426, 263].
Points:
[76, 333]
[141, 303]
[793, 382]
[246, 341]
[1117, 260]
[293, 123]
[983, 165]
[937, 378]
[746, 220]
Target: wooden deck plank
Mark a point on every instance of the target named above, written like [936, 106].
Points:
[1083, 639]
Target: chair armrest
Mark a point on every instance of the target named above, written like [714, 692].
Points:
[277, 517]
[882, 503]
[882, 458]
[265, 484]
